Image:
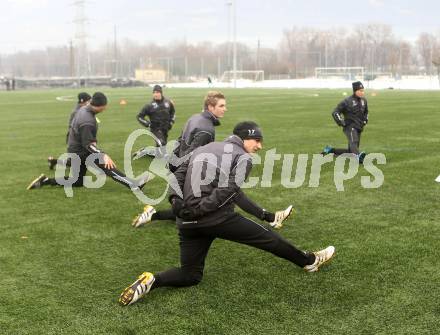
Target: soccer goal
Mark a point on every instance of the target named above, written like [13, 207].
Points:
[347, 73]
[257, 75]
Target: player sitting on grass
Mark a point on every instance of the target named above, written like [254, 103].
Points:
[83, 142]
[83, 99]
[206, 212]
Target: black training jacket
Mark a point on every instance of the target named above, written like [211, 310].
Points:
[351, 112]
[83, 132]
[198, 131]
[214, 203]
[161, 114]
[77, 108]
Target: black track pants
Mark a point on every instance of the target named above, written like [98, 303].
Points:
[195, 244]
[354, 140]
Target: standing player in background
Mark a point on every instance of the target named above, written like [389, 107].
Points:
[352, 115]
[83, 99]
[161, 114]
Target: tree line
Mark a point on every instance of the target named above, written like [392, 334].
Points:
[300, 50]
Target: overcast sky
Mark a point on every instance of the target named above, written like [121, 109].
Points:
[28, 24]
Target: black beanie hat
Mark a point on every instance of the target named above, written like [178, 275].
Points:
[83, 97]
[357, 86]
[157, 88]
[99, 99]
[248, 130]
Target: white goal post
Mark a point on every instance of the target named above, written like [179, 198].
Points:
[257, 75]
[348, 73]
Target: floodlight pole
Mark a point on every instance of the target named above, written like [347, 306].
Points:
[437, 65]
[115, 54]
[229, 4]
[234, 49]
[82, 68]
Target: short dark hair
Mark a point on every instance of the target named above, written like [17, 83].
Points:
[157, 88]
[99, 99]
[83, 97]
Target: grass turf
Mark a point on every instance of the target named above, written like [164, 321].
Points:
[64, 261]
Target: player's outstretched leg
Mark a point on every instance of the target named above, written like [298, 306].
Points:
[37, 182]
[150, 214]
[327, 150]
[281, 216]
[147, 151]
[41, 181]
[52, 162]
[121, 178]
[144, 217]
[138, 289]
[321, 257]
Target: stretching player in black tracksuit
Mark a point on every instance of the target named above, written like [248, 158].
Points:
[83, 142]
[198, 131]
[206, 212]
[83, 99]
[352, 115]
[161, 114]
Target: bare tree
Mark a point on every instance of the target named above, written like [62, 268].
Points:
[301, 49]
[427, 45]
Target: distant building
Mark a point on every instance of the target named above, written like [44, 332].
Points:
[151, 75]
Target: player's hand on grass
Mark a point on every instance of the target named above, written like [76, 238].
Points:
[108, 162]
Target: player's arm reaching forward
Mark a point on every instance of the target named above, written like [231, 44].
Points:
[172, 113]
[339, 112]
[145, 111]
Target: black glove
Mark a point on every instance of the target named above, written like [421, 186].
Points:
[170, 125]
[179, 209]
[268, 216]
[176, 205]
[188, 213]
[147, 124]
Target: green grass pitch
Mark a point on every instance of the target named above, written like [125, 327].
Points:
[64, 261]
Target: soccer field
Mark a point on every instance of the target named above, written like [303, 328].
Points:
[64, 261]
